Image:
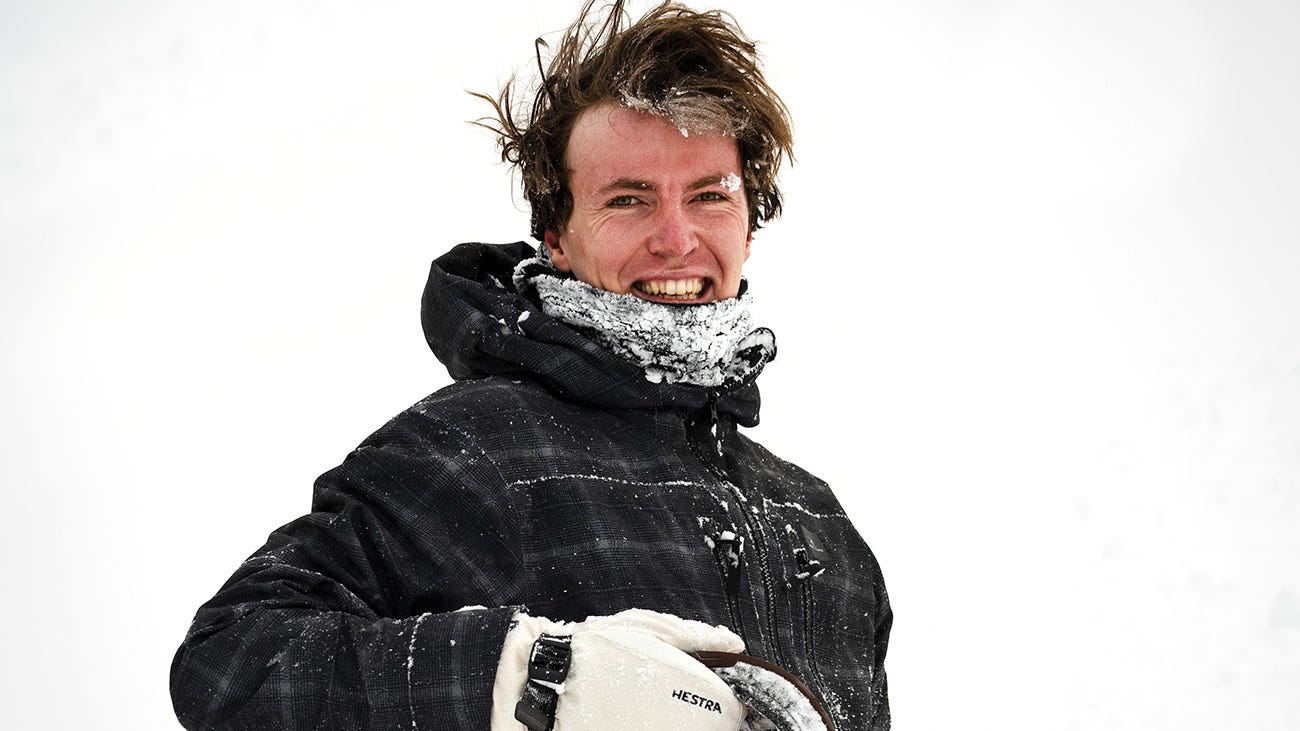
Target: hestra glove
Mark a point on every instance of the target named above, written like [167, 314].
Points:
[628, 671]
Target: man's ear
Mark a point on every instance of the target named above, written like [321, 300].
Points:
[749, 239]
[553, 247]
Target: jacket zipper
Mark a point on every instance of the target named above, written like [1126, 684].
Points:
[811, 561]
[736, 575]
[728, 549]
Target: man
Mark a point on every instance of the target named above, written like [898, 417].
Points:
[542, 543]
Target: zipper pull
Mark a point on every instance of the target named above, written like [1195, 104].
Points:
[729, 549]
[811, 558]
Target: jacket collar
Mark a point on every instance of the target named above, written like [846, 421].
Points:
[478, 325]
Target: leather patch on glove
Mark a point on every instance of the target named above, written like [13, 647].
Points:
[770, 690]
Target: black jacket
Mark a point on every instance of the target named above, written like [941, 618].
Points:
[553, 476]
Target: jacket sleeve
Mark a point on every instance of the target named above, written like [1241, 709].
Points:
[884, 622]
[358, 615]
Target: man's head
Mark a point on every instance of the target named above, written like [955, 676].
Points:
[655, 213]
[614, 87]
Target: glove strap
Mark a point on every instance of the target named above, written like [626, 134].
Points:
[548, 666]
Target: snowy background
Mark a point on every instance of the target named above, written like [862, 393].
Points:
[1037, 293]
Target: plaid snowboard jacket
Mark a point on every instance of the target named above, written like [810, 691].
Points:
[551, 476]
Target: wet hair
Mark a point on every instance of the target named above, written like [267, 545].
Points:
[698, 70]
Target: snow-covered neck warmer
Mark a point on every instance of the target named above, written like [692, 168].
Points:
[706, 345]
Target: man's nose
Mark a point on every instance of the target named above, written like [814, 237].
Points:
[673, 235]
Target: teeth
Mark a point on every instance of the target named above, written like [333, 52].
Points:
[680, 288]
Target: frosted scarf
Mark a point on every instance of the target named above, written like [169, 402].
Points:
[711, 344]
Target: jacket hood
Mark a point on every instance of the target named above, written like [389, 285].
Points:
[478, 325]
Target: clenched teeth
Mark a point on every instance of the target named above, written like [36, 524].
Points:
[675, 288]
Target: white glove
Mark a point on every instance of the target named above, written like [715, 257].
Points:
[629, 671]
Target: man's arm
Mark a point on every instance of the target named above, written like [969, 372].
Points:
[347, 617]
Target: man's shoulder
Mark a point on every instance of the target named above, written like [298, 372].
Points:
[506, 422]
[764, 458]
[485, 409]
[472, 399]
[462, 421]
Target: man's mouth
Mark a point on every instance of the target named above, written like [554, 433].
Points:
[672, 290]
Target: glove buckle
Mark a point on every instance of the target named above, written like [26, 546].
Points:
[548, 666]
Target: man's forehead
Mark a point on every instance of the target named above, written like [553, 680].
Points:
[613, 146]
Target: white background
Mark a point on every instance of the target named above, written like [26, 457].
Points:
[1035, 292]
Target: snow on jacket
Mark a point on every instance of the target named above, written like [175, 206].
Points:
[550, 476]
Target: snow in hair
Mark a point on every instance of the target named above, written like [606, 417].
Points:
[698, 70]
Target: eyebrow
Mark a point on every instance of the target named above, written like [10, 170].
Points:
[635, 184]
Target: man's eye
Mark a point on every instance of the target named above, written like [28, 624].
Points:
[709, 196]
[623, 200]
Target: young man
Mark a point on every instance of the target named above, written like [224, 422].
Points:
[544, 542]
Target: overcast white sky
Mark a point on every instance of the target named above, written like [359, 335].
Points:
[1035, 293]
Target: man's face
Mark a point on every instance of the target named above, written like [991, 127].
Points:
[656, 213]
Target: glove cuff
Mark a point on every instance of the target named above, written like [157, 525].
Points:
[512, 668]
[769, 689]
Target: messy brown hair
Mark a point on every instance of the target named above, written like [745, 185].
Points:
[698, 70]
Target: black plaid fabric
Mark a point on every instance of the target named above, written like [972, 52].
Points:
[554, 477]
